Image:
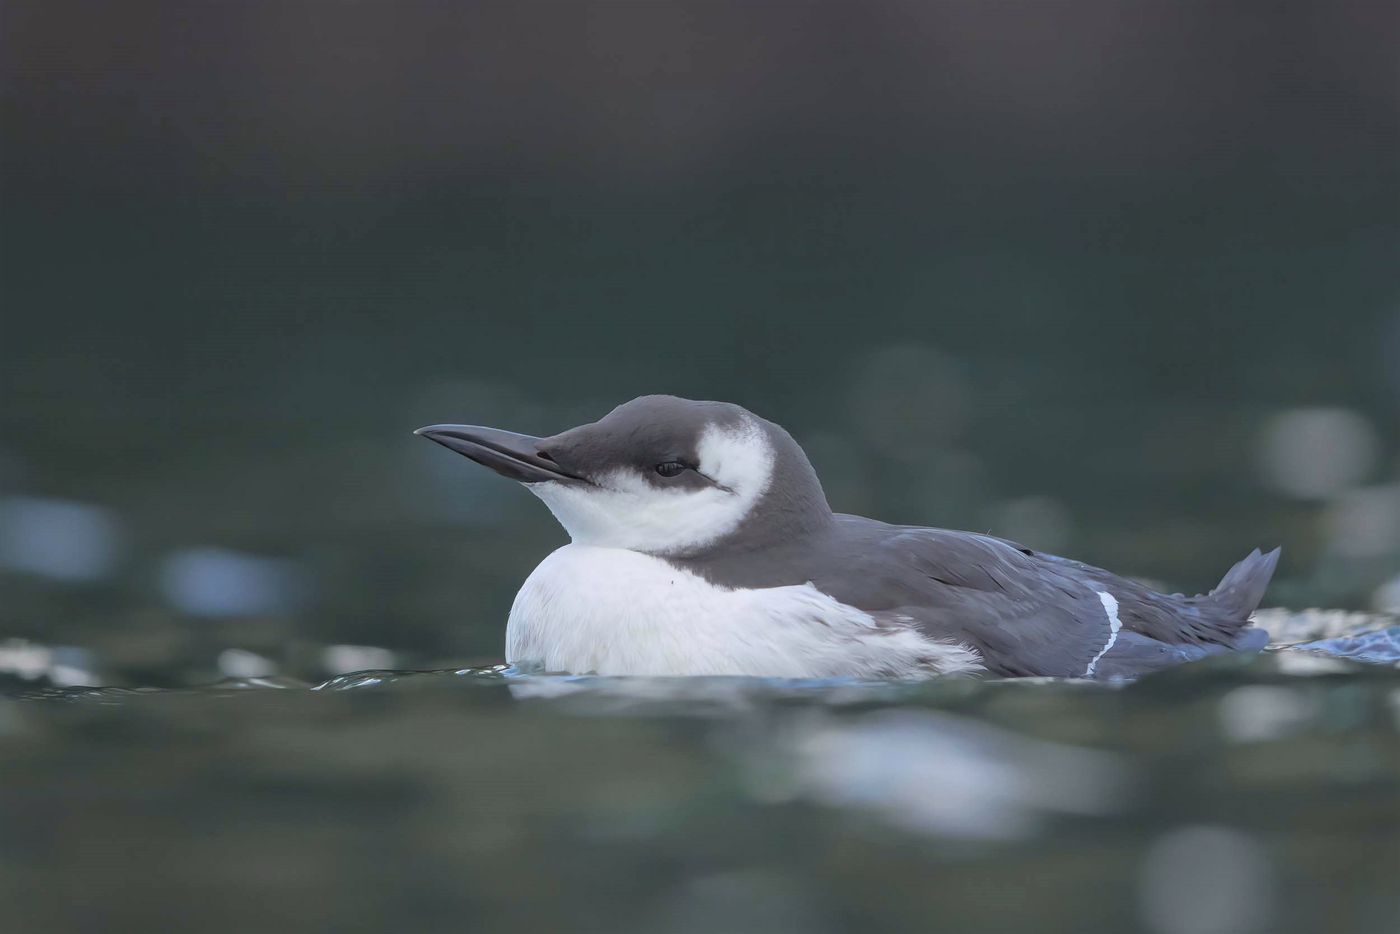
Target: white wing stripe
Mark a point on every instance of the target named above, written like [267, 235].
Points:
[1110, 606]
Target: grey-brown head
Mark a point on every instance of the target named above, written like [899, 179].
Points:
[660, 475]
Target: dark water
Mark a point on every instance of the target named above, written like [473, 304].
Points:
[1114, 280]
[1235, 795]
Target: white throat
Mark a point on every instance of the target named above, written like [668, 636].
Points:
[622, 510]
[610, 611]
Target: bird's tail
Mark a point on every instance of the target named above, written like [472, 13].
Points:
[1240, 590]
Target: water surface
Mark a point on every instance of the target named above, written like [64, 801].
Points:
[1235, 794]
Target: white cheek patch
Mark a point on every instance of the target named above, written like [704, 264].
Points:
[624, 510]
[740, 459]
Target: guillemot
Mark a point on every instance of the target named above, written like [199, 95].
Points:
[703, 544]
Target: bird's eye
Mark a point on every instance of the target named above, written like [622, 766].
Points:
[670, 469]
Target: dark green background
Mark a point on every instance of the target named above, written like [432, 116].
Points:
[1076, 251]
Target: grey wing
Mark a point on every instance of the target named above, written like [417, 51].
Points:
[1023, 615]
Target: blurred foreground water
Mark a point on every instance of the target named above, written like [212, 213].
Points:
[1235, 795]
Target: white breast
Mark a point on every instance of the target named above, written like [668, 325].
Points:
[611, 611]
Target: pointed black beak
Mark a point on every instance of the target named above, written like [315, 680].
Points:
[518, 457]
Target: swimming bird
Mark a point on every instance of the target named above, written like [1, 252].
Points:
[702, 544]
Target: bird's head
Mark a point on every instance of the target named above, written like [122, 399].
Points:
[660, 475]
